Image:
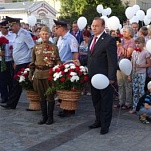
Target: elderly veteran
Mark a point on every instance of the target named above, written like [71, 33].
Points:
[45, 56]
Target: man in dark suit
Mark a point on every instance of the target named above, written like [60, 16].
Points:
[76, 32]
[102, 59]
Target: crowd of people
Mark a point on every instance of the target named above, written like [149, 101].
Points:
[95, 47]
[132, 46]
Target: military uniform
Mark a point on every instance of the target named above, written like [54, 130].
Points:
[44, 57]
[22, 46]
[68, 47]
[6, 77]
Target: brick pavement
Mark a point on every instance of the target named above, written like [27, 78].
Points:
[19, 131]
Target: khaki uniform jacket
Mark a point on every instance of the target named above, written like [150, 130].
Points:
[44, 56]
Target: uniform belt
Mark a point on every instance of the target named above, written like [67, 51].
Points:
[42, 67]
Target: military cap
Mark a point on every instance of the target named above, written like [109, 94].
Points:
[60, 23]
[45, 29]
[13, 20]
[4, 24]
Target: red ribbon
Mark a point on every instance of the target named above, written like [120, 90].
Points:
[138, 49]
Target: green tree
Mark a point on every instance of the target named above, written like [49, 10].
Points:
[71, 10]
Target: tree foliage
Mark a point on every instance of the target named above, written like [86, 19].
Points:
[72, 9]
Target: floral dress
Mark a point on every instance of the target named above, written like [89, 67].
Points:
[83, 48]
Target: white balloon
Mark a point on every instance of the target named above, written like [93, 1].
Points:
[104, 12]
[148, 14]
[136, 8]
[82, 22]
[121, 31]
[105, 19]
[99, 8]
[113, 23]
[108, 24]
[109, 11]
[148, 26]
[100, 81]
[134, 19]
[125, 66]
[32, 20]
[148, 45]
[140, 15]
[129, 12]
[120, 27]
[146, 20]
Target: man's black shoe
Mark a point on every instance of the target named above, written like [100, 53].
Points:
[66, 113]
[63, 111]
[148, 118]
[95, 125]
[3, 101]
[104, 131]
[31, 110]
[7, 106]
[63, 114]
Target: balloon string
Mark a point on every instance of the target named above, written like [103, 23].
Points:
[119, 113]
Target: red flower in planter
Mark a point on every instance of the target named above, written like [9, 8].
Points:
[67, 77]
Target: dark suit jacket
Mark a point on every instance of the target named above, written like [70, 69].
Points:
[103, 60]
[79, 36]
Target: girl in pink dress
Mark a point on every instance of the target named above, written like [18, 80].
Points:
[140, 61]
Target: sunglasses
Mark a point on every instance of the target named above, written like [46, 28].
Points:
[10, 25]
[57, 27]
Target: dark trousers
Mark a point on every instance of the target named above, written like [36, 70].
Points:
[102, 102]
[6, 80]
[16, 91]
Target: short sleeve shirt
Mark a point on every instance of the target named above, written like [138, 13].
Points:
[8, 51]
[139, 58]
[130, 44]
[67, 45]
[22, 47]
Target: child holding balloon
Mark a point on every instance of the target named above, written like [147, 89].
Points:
[140, 61]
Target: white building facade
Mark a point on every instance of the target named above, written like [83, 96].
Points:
[43, 12]
[144, 4]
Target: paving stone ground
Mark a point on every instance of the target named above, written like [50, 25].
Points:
[19, 131]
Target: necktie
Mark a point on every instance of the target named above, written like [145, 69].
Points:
[75, 34]
[93, 44]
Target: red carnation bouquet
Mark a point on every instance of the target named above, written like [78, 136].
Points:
[22, 78]
[3, 42]
[68, 77]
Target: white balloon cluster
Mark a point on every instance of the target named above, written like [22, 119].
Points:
[100, 81]
[112, 23]
[82, 22]
[104, 12]
[32, 20]
[135, 14]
